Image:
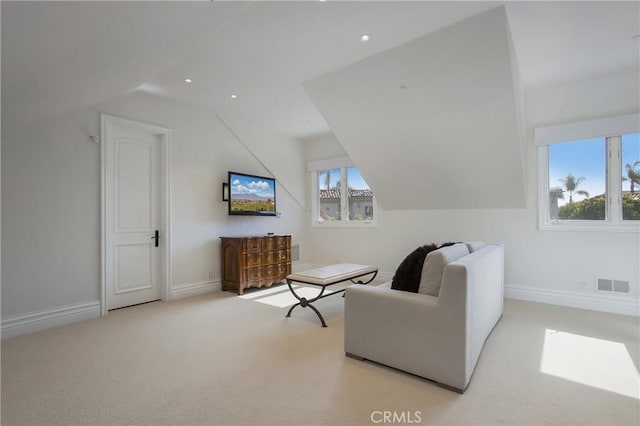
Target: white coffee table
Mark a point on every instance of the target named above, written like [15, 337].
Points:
[325, 277]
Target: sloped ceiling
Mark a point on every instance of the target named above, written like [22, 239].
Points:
[62, 56]
[435, 122]
[58, 57]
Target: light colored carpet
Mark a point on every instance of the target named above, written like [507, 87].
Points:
[224, 359]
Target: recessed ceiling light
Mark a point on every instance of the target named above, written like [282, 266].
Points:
[188, 80]
[234, 96]
[364, 37]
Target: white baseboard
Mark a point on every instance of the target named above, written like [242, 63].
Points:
[594, 302]
[194, 289]
[40, 320]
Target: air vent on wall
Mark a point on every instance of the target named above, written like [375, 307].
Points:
[621, 286]
[295, 252]
[615, 286]
[605, 285]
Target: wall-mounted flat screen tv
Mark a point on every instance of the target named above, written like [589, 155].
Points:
[251, 195]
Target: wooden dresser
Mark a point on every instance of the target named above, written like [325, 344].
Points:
[255, 261]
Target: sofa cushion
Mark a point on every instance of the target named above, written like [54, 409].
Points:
[475, 245]
[409, 273]
[434, 265]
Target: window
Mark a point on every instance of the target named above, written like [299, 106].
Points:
[341, 196]
[577, 180]
[330, 194]
[630, 163]
[589, 175]
[360, 196]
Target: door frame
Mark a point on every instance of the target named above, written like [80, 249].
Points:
[164, 137]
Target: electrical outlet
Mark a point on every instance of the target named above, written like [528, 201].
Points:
[210, 274]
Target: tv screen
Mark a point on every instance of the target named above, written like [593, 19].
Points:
[251, 195]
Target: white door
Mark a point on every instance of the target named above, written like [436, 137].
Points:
[132, 215]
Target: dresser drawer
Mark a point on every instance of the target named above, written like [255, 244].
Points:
[269, 257]
[282, 243]
[254, 245]
[284, 269]
[253, 259]
[283, 256]
[253, 274]
[268, 243]
[269, 271]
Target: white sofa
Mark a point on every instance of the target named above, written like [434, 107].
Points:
[438, 338]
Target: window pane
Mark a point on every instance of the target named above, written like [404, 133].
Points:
[360, 196]
[577, 180]
[329, 190]
[631, 176]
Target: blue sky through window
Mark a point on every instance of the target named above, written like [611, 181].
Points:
[354, 179]
[334, 177]
[587, 158]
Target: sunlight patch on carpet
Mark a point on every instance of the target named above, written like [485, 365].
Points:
[602, 364]
[281, 297]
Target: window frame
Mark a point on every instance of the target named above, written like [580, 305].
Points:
[611, 129]
[337, 163]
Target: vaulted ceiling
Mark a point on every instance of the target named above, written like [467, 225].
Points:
[62, 56]
[58, 57]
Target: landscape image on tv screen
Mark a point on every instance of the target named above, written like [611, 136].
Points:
[251, 195]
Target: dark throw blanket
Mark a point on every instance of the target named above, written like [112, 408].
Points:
[409, 273]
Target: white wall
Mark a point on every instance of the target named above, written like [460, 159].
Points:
[539, 265]
[51, 200]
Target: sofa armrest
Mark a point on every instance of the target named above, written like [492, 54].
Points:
[414, 332]
[476, 282]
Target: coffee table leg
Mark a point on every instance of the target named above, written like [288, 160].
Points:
[306, 303]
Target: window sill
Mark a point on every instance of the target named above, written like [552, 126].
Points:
[589, 226]
[345, 224]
